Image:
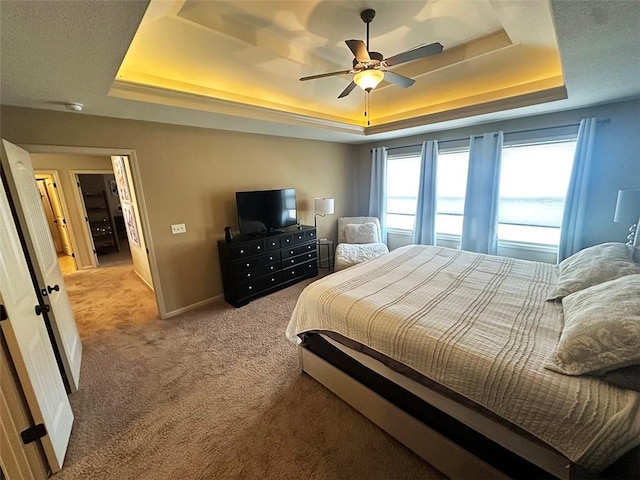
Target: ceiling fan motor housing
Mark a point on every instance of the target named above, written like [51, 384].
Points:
[368, 15]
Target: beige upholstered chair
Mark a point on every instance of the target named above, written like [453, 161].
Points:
[358, 240]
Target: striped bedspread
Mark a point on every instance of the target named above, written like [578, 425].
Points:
[479, 325]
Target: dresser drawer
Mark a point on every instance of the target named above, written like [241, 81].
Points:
[298, 250]
[248, 250]
[248, 288]
[305, 257]
[298, 237]
[300, 270]
[254, 262]
[286, 240]
[272, 243]
[270, 280]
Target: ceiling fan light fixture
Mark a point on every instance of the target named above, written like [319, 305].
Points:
[368, 79]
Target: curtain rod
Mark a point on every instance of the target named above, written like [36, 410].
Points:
[599, 122]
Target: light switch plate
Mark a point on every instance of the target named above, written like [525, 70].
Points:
[178, 228]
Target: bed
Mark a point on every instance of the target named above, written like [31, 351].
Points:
[451, 353]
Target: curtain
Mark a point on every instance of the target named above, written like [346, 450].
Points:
[378, 191]
[573, 216]
[424, 229]
[480, 222]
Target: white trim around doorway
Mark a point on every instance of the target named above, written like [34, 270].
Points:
[137, 185]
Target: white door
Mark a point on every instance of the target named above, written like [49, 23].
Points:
[29, 343]
[48, 211]
[21, 183]
[58, 213]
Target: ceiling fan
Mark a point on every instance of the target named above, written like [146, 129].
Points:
[371, 68]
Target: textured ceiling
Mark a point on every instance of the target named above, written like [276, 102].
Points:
[235, 64]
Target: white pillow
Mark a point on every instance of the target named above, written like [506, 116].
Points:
[361, 233]
[594, 265]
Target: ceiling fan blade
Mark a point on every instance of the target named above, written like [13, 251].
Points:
[415, 54]
[399, 80]
[359, 50]
[347, 90]
[322, 75]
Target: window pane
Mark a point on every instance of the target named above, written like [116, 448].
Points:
[451, 186]
[403, 177]
[533, 183]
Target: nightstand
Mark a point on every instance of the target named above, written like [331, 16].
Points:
[325, 262]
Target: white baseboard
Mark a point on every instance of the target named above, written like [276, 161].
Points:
[173, 313]
[144, 280]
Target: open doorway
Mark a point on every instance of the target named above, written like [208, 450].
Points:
[97, 213]
[104, 219]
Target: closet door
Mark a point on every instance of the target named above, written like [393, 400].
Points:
[29, 344]
[22, 188]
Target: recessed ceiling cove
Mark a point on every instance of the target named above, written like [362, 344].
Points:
[246, 58]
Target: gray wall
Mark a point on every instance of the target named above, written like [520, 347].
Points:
[616, 163]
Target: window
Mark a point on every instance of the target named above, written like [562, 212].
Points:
[451, 187]
[534, 177]
[533, 185]
[403, 181]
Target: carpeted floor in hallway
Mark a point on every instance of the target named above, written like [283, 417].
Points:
[212, 394]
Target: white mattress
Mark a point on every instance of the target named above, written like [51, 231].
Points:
[479, 325]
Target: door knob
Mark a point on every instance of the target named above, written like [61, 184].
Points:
[54, 288]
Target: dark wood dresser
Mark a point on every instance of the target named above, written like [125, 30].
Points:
[253, 266]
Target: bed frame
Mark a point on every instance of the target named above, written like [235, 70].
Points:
[454, 438]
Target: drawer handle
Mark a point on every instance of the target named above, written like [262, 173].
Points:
[241, 251]
[291, 252]
[270, 258]
[292, 272]
[258, 247]
[248, 264]
[288, 240]
[250, 287]
[273, 279]
[248, 275]
[309, 255]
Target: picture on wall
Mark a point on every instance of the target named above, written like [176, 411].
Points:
[130, 224]
[120, 172]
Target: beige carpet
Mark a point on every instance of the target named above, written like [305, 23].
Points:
[212, 394]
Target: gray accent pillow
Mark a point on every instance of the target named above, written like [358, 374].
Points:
[601, 329]
[592, 266]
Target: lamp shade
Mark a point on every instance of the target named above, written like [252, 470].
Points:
[323, 206]
[627, 206]
[368, 79]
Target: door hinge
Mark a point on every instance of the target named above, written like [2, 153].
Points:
[3, 313]
[34, 433]
[54, 185]
[39, 309]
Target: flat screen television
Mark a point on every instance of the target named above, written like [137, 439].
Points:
[265, 211]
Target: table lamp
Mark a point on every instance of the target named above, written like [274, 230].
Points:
[322, 207]
[628, 210]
